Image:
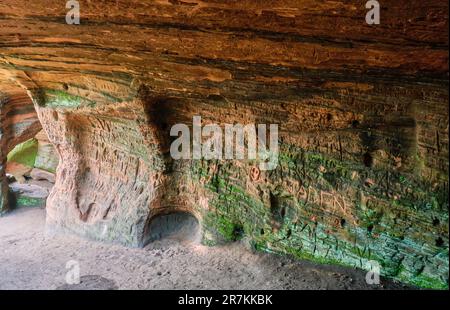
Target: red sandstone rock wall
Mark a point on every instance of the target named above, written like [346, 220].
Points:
[18, 123]
[362, 112]
[47, 158]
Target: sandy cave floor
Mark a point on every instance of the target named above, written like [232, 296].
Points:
[29, 259]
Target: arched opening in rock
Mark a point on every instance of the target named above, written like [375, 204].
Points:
[27, 158]
[30, 172]
[178, 226]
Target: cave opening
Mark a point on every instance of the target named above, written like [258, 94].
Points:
[30, 172]
[176, 226]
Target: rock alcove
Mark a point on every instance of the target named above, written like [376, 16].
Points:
[178, 226]
[362, 114]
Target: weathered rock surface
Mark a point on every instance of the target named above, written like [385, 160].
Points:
[47, 158]
[36, 152]
[39, 175]
[164, 264]
[18, 171]
[18, 123]
[362, 112]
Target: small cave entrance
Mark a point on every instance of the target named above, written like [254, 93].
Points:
[176, 226]
[30, 172]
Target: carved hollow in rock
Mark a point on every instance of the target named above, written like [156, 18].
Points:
[362, 111]
[180, 226]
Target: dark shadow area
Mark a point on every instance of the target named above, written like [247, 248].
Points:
[179, 226]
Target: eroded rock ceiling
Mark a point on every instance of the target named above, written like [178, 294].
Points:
[362, 114]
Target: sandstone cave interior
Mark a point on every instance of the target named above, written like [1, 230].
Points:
[87, 173]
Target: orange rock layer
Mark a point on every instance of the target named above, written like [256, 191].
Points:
[362, 112]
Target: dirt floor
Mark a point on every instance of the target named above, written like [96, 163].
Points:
[29, 259]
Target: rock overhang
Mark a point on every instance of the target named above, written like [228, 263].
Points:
[362, 111]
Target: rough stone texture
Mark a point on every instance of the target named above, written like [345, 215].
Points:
[362, 112]
[163, 264]
[47, 158]
[39, 175]
[29, 194]
[35, 156]
[18, 171]
[18, 123]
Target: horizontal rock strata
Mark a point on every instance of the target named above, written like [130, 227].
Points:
[362, 113]
[18, 123]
